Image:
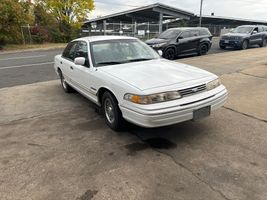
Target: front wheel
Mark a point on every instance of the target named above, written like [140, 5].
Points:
[169, 54]
[244, 45]
[264, 43]
[112, 113]
[222, 47]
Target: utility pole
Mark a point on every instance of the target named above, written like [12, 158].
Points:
[200, 16]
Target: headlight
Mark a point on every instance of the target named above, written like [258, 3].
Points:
[213, 84]
[154, 98]
[159, 45]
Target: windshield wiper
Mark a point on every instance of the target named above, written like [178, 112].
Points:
[109, 63]
[139, 59]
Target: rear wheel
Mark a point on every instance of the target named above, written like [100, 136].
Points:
[64, 84]
[203, 49]
[244, 45]
[169, 54]
[112, 113]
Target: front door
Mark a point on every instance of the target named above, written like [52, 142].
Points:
[83, 73]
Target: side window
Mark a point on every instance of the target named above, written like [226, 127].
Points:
[256, 29]
[69, 51]
[194, 33]
[82, 51]
[185, 34]
[261, 29]
[204, 32]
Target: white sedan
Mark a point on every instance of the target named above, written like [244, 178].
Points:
[130, 81]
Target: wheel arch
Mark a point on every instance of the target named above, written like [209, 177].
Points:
[101, 92]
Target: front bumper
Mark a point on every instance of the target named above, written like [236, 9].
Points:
[231, 43]
[175, 114]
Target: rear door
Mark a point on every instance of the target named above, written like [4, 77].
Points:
[194, 40]
[67, 63]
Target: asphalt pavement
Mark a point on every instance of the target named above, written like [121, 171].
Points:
[27, 67]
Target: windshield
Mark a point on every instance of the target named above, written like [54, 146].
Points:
[243, 29]
[111, 52]
[169, 34]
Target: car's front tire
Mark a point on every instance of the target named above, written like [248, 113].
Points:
[112, 112]
[64, 84]
[244, 45]
[169, 53]
[222, 47]
[264, 43]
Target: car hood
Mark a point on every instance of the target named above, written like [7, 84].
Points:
[156, 41]
[236, 34]
[155, 73]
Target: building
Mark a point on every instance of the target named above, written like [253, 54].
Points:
[148, 21]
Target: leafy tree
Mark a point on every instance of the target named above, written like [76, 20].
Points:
[69, 14]
[13, 15]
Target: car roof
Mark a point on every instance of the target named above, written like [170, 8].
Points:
[188, 28]
[104, 37]
[252, 26]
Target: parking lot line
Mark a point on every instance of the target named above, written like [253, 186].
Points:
[27, 65]
[24, 57]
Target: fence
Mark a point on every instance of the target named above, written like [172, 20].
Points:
[144, 30]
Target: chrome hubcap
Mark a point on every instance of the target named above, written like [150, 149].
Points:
[109, 111]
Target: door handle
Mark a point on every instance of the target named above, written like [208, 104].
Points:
[61, 62]
[71, 67]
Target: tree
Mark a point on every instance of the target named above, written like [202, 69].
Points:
[13, 15]
[70, 14]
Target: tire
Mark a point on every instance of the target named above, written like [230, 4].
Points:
[64, 84]
[244, 45]
[203, 49]
[222, 47]
[264, 43]
[112, 112]
[169, 54]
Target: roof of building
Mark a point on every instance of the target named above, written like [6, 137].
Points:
[149, 11]
[212, 17]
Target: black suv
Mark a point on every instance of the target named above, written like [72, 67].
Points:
[243, 36]
[177, 41]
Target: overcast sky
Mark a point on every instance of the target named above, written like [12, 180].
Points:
[248, 9]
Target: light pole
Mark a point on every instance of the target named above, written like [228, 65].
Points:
[200, 16]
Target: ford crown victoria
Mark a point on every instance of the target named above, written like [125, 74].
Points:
[130, 81]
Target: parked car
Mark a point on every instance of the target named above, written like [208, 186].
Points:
[244, 36]
[129, 80]
[178, 41]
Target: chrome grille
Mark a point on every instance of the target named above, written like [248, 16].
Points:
[193, 90]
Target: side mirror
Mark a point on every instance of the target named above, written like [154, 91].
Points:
[254, 32]
[79, 61]
[160, 52]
